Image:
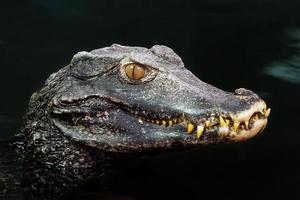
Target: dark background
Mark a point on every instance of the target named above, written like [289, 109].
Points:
[229, 44]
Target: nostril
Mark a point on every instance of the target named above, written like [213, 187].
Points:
[243, 92]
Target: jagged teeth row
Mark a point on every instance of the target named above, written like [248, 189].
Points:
[224, 124]
[165, 122]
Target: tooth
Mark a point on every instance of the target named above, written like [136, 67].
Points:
[267, 113]
[200, 129]
[185, 122]
[140, 121]
[152, 120]
[170, 122]
[222, 122]
[157, 121]
[163, 122]
[247, 124]
[175, 120]
[207, 123]
[227, 122]
[223, 131]
[236, 125]
[262, 112]
[190, 127]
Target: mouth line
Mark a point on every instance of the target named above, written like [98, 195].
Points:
[229, 124]
[246, 122]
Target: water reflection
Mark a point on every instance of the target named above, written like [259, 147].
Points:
[288, 69]
[64, 10]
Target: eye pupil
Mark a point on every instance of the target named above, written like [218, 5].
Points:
[135, 71]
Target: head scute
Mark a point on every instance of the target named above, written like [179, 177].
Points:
[87, 65]
[80, 56]
[167, 54]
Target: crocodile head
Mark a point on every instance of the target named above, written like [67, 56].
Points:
[123, 98]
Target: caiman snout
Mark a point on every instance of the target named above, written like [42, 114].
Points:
[242, 115]
[232, 117]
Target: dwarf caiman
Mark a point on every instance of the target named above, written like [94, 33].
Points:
[118, 101]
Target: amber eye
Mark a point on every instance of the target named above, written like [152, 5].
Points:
[135, 71]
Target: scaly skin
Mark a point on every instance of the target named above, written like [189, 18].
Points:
[91, 114]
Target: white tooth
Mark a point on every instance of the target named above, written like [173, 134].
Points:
[190, 127]
[247, 124]
[262, 112]
[235, 125]
[207, 123]
[227, 122]
[140, 121]
[185, 122]
[267, 113]
[200, 130]
[223, 130]
[222, 122]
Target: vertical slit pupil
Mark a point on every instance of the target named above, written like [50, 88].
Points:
[133, 74]
[135, 71]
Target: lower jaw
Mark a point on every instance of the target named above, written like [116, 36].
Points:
[258, 127]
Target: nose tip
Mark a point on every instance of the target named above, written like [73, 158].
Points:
[243, 92]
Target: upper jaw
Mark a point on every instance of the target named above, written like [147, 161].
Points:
[231, 126]
[226, 126]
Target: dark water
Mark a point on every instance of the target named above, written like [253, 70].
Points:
[229, 44]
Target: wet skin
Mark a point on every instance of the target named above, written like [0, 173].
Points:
[101, 105]
[131, 99]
